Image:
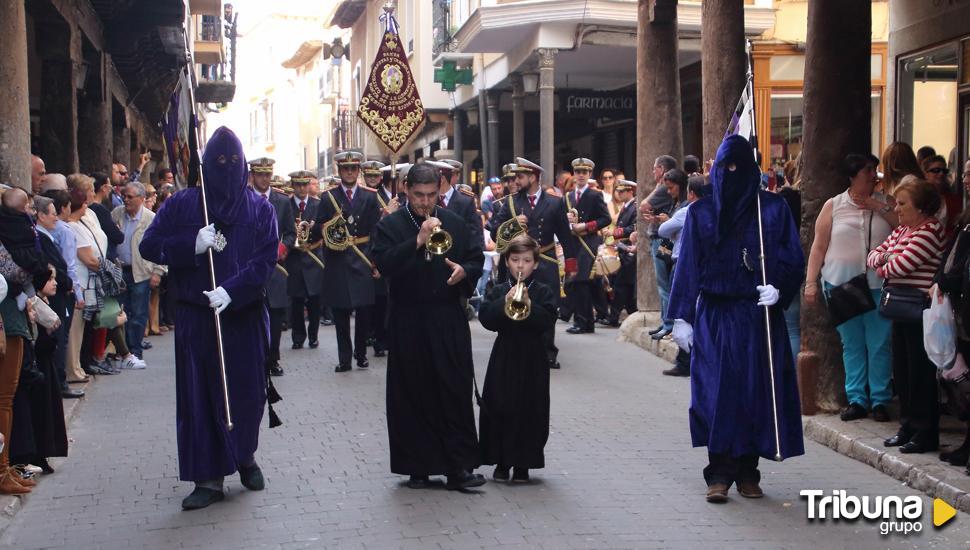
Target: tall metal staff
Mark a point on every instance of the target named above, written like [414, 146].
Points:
[212, 268]
[743, 110]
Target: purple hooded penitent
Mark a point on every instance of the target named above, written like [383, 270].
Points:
[714, 290]
[207, 449]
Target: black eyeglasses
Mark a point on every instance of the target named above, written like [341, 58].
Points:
[943, 171]
[131, 197]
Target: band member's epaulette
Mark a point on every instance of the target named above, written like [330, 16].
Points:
[466, 192]
[365, 188]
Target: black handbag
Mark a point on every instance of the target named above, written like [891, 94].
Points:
[853, 297]
[903, 303]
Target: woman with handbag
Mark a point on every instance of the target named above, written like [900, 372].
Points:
[848, 227]
[908, 260]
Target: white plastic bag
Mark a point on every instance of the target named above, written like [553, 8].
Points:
[940, 333]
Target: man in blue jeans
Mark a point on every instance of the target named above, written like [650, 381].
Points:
[655, 209]
[141, 276]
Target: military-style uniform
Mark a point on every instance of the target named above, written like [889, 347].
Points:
[624, 281]
[305, 274]
[546, 221]
[374, 173]
[591, 210]
[457, 199]
[276, 296]
[348, 277]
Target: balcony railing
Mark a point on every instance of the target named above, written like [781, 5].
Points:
[348, 131]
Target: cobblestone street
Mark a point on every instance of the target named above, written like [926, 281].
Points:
[620, 472]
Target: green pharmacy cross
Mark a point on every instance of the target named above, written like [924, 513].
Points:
[450, 76]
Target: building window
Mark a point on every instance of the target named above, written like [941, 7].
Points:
[407, 24]
[927, 95]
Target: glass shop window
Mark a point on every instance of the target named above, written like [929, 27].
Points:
[927, 112]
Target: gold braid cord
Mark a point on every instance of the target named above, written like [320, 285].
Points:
[390, 106]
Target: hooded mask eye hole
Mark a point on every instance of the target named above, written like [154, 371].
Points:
[235, 159]
[221, 159]
[732, 167]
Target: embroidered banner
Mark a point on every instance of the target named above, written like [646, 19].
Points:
[390, 106]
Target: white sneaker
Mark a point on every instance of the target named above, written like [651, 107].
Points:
[133, 362]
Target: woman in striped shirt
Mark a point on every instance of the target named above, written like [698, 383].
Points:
[910, 257]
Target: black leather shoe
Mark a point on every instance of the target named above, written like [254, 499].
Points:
[326, 322]
[914, 447]
[419, 482]
[674, 371]
[380, 353]
[252, 477]
[520, 475]
[362, 363]
[957, 457]
[656, 330]
[897, 440]
[578, 330]
[314, 344]
[72, 394]
[554, 365]
[202, 497]
[276, 370]
[464, 480]
[660, 335]
[297, 345]
[880, 413]
[854, 411]
[342, 368]
[501, 473]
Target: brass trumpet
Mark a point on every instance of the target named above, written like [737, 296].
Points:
[516, 307]
[439, 242]
[303, 243]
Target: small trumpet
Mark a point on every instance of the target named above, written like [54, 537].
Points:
[439, 242]
[302, 234]
[516, 307]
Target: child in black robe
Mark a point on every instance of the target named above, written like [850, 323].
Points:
[514, 418]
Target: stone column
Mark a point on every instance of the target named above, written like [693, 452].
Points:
[483, 132]
[547, 112]
[494, 156]
[14, 102]
[836, 122]
[518, 115]
[458, 123]
[58, 100]
[723, 67]
[659, 130]
[95, 137]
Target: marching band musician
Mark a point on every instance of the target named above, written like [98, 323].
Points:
[625, 280]
[514, 416]
[544, 219]
[346, 216]
[430, 416]
[373, 178]
[305, 276]
[587, 213]
[458, 200]
[243, 236]
[261, 171]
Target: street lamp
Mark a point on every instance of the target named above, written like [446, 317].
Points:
[530, 82]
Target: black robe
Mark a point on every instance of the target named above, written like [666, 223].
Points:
[514, 420]
[39, 429]
[430, 416]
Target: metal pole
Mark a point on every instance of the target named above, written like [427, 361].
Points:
[212, 268]
[771, 355]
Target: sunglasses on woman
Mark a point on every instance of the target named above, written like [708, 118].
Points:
[943, 171]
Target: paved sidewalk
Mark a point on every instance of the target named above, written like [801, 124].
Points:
[621, 473]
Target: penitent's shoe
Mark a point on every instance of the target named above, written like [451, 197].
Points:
[717, 493]
[202, 497]
[252, 477]
[750, 489]
[464, 480]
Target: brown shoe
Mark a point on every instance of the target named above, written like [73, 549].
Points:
[717, 493]
[750, 489]
[9, 485]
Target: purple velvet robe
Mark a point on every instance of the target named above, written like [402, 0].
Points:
[714, 290]
[206, 448]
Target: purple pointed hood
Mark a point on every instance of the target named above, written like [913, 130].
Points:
[226, 174]
[736, 179]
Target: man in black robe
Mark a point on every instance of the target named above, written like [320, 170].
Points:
[430, 419]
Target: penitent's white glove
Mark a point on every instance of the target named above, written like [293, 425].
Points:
[206, 239]
[683, 334]
[767, 295]
[219, 299]
[22, 301]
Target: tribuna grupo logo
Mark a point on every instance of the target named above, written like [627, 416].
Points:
[895, 514]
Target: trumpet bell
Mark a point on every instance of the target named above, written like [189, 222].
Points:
[516, 308]
[439, 242]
